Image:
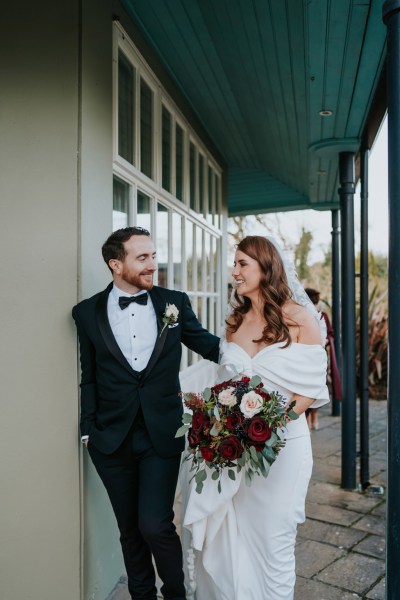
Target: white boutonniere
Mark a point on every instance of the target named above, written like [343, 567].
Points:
[170, 317]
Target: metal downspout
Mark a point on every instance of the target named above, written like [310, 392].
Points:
[346, 193]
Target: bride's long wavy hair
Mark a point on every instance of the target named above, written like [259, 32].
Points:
[274, 290]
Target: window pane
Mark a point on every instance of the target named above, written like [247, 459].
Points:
[143, 211]
[216, 203]
[192, 175]
[199, 258]
[126, 99]
[207, 266]
[120, 203]
[201, 185]
[166, 149]
[189, 254]
[179, 162]
[209, 194]
[162, 244]
[146, 129]
[177, 250]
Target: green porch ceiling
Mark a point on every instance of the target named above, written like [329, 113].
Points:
[257, 73]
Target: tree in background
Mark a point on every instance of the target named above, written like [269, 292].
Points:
[301, 254]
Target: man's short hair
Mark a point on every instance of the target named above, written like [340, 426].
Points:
[114, 247]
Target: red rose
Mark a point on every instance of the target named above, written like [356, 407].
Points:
[258, 431]
[245, 379]
[207, 453]
[199, 419]
[194, 438]
[234, 420]
[231, 448]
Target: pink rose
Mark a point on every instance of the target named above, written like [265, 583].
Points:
[227, 397]
[251, 404]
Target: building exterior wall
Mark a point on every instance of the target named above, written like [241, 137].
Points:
[58, 536]
[39, 468]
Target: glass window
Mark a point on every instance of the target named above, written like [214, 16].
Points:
[217, 192]
[189, 254]
[146, 129]
[179, 162]
[209, 194]
[201, 185]
[192, 175]
[121, 191]
[126, 107]
[199, 258]
[166, 149]
[162, 244]
[177, 250]
[143, 218]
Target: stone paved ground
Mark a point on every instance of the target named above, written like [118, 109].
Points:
[340, 552]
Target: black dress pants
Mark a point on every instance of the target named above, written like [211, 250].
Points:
[141, 487]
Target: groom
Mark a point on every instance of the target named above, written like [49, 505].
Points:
[130, 342]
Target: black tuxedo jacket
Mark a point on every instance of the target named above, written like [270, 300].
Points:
[111, 391]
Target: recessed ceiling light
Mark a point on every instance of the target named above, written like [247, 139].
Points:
[326, 112]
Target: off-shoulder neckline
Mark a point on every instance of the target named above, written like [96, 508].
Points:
[270, 346]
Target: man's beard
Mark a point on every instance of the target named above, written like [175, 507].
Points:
[138, 281]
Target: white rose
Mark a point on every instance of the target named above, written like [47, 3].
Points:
[251, 404]
[227, 397]
[172, 312]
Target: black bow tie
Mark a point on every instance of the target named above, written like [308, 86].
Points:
[125, 301]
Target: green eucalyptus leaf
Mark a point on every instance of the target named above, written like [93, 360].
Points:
[293, 415]
[253, 453]
[214, 430]
[201, 476]
[187, 418]
[241, 461]
[215, 475]
[219, 486]
[269, 455]
[272, 440]
[248, 477]
[254, 381]
[231, 474]
[182, 431]
[199, 488]
[207, 394]
[216, 413]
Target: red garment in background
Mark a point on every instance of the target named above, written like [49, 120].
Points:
[335, 375]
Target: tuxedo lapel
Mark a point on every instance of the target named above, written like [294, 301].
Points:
[106, 331]
[159, 308]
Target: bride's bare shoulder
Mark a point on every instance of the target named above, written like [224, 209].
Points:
[309, 331]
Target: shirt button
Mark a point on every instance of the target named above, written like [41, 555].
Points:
[135, 358]
[134, 336]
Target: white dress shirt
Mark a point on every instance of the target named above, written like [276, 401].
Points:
[134, 328]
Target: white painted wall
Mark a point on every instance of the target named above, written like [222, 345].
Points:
[39, 458]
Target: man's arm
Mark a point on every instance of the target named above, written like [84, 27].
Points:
[194, 336]
[88, 379]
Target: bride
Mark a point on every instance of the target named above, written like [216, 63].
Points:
[239, 544]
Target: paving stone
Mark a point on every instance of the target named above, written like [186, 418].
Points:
[323, 447]
[326, 493]
[309, 589]
[334, 459]
[312, 557]
[354, 572]
[378, 592]
[325, 472]
[372, 524]
[342, 537]
[331, 514]
[380, 510]
[373, 545]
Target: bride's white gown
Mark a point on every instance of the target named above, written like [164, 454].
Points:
[239, 545]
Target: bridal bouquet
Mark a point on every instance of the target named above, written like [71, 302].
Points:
[236, 425]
